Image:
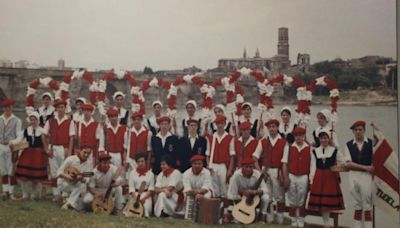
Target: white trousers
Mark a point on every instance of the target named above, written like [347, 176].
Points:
[75, 191]
[167, 205]
[275, 189]
[56, 161]
[116, 159]
[116, 193]
[6, 166]
[219, 179]
[361, 190]
[297, 192]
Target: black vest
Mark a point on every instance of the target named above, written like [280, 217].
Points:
[42, 120]
[289, 137]
[124, 120]
[253, 131]
[329, 162]
[185, 128]
[363, 157]
[214, 129]
[153, 130]
[34, 142]
[186, 152]
[170, 148]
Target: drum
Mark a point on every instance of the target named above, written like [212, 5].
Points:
[210, 211]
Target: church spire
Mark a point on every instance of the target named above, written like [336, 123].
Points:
[244, 53]
[257, 54]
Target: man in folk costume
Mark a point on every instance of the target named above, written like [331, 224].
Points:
[32, 162]
[119, 101]
[269, 155]
[60, 132]
[243, 181]
[197, 181]
[46, 111]
[138, 139]
[90, 132]
[104, 176]
[191, 145]
[219, 109]
[325, 193]
[164, 143]
[324, 124]
[10, 125]
[246, 144]
[358, 156]
[296, 168]
[151, 122]
[246, 116]
[78, 114]
[220, 156]
[115, 138]
[75, 186]
[139, 175]
[168, 184]
[287, 125]
[191, 107]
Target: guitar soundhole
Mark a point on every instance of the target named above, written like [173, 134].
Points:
[249, 201]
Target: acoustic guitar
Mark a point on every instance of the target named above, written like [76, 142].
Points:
[104, 203]
[245, 210]
[135, 209]
[76, 174]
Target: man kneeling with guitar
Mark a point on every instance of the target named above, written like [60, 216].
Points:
[247, 184]
[73, 175]
[104, 187]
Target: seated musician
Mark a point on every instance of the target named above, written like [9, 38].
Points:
[168, 184]
[139, 175]
[105, 174]
[242, 182]
[75, 185]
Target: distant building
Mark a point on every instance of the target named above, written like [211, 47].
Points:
[61, 63]
[6, 63]
[21, 64]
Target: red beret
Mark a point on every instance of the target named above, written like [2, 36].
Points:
[88, 107]
[58, 102]
[112, 112]
[299, 131]
[358, 123]
[163, 118]
[197, 157]
[190, 120]
[7, 102]
[245, 125]
[247, 161]
[220, 118]
[137, 114]
[104, 157]
[272, 121]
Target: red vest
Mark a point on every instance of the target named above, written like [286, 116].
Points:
[138, 143]
[245, 152]
[88, 135]
[115, 141]
[299, 162]
[221, 150]
[59, 132]
[275, 152]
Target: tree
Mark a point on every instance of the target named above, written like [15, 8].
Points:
[147, 70]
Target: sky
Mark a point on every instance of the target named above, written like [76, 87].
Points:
[174, 34]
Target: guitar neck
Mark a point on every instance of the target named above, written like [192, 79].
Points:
[260, 179]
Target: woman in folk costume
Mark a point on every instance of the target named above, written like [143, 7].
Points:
[137, 140]
[191, 108]
[10, 125]
[246, 144]
[151, 122]
[247, 109]
[168, 184]
[119, 101]
[164, 143]
[358, 156]
[78, 114]
[46, 111]
[325, 192]
[219, 109]
[139, 175]
[324, 124]
[115, 138]
[60, 132]
[269, 155]
[90, 132]
[296, 168]
[220, 156]
[287, 125]
[191, 145]
[32, 164]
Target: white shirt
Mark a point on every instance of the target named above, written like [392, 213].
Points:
[6, 120]
[289, 127]
[101, 181]
[77, 116]
[132, 130]
[285, 156]
[99, 132]
[218, 138]
[173, 180]
[163, 138]
[323, 154]
[45, 112]
[347, 155]
[72, 130]
[153, 121]
[201, 181]
[240, 183]
[180, 128]
[192, 140]
[257, 153]
[135, 181]
[74, 161]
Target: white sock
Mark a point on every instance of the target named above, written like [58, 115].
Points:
[367, 224]
[279, 218]
[5, 188]
[24, 189]
[34, 193]
[11, 189]
[56, 191]
[325, 217]
[357, 224]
